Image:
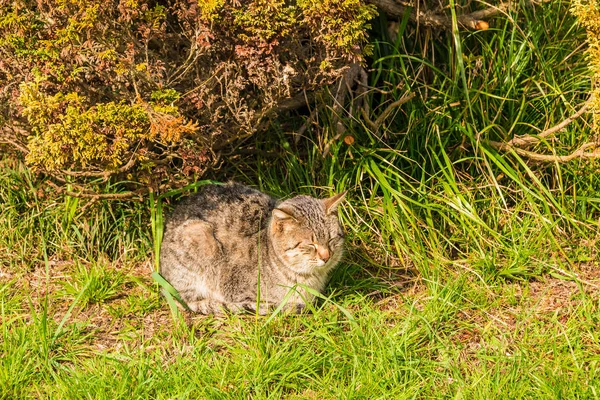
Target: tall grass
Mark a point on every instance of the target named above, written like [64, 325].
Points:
[427, 187]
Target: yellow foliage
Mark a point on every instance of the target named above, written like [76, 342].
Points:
[100, 137]
[588, 15]
[209, 7]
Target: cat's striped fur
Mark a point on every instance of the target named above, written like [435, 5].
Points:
[221, 242]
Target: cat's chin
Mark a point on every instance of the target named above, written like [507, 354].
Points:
[303, 269]
[311, 268]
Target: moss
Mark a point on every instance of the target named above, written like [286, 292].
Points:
[342, 24]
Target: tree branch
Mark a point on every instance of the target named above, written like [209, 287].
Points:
[474, 20]
[527, 140]
[100, 174]
[381, 119]
[375, 125]
[7, 136]
[136, 195]
[517, 143]
[300, 100]
[579, 153]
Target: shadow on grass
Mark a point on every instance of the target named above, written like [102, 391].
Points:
[351, 279]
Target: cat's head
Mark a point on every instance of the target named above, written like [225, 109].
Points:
[306, 234]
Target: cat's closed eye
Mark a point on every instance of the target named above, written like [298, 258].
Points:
[295, 246]
[335, 239]
[310, 248]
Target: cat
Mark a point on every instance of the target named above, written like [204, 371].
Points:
[221, 242]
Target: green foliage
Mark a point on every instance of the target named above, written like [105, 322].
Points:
[339, 23]
[264, 21]
[70, 134]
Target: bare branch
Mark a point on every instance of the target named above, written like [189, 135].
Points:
[375, 125]
[7, 136]
[309, 121]
[517, 143]
[526, 140]
[293, 103]
[344, 88]
[474, 20]
[135, 196]
[82, 193]
[581, 152]
[22, 149]
[381, 119]
[101, 174]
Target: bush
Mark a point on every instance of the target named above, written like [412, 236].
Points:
[148, 91]
[588, 15]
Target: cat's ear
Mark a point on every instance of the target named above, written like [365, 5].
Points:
[282, 214]
[332, 202]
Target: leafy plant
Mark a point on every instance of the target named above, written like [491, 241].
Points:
[149, 93]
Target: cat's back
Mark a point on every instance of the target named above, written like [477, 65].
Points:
[229, 207]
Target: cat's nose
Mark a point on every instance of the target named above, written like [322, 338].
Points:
[323, 253]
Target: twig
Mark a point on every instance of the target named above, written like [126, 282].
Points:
[375, 125]
[361, 90]
[517, 143]
[86, 194]
[7, 140]
[100, 174]
[579, 153]
[339, 99]
[293, 103]
[526, 140]
[368, 120]
[14, 144]
[380, 120]
[344, 88]
[135, 196]
[309, 121]
[473, 20]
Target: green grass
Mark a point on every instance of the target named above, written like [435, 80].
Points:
[469, 274]
[94, 284]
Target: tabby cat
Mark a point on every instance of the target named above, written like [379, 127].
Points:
[229, 245]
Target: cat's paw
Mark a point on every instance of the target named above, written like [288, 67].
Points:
[207, 307]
